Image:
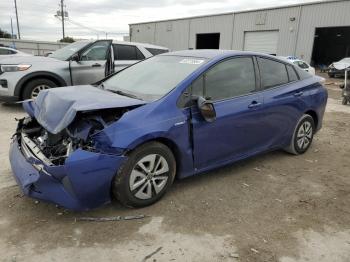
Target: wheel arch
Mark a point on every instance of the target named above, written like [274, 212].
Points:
[314, 116]
[174, 148]
[36, 75]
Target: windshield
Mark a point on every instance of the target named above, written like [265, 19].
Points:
[153, 78]
[67, 51]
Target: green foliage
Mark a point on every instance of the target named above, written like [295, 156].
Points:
[67, 39]
[4, 34]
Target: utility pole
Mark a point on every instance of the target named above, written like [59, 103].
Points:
[11, 29]
[62, 17]
[12, 37]
[18, 32]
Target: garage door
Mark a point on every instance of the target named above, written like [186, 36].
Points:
[261, 41]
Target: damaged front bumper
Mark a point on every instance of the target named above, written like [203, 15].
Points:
[82, 183]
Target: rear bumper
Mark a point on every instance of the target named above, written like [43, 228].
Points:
[83, 183]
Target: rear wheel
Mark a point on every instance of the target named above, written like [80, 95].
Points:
[303, 136]
[32, 89]
[146, 175]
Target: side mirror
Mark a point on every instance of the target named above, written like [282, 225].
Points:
[207, 109]
[75, 58]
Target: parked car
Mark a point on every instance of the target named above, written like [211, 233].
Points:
[6, 52]
[333, 71]
[173, 115]
[80, 63]
[301, 63]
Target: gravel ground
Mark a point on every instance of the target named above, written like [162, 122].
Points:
[274, 207]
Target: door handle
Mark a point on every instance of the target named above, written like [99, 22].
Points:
[96, 65]
[254, 104]
[300, 93]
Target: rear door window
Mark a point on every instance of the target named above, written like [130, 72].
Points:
[127, 52]
[4, 52]
[272, 73]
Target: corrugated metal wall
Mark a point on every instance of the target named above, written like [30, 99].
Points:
[143, 33]
[181, 34]
[222, 24]
[319, 15]
[172, 34]
[296, 26]
[276, 19]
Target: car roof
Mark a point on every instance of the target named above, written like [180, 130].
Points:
[140, 44]
[130, 43]
[214, 53]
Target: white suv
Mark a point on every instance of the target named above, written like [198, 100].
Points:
[80, 63]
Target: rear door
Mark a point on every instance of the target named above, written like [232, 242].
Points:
[92, 65]
[231, 85]
[282, 93]
[126, 55]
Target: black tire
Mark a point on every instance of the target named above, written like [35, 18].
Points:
[344, 101]
[295, 147]
[122, 184]
[331, 75]
[32, 85]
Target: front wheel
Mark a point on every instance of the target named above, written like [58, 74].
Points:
[33, 88]
[146, 175]
[303, 136]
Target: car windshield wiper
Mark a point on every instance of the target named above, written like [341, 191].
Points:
[122, 93]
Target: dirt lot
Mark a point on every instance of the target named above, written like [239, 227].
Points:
[274, 207]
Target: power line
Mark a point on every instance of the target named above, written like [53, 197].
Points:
[98, 31]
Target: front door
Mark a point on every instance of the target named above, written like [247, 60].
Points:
[235, 133]
[92, 65]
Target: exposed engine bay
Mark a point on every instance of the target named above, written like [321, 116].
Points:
[55, 148]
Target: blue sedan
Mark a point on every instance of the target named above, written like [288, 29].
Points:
[171, 116]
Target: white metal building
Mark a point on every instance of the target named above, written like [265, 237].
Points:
[317, 32]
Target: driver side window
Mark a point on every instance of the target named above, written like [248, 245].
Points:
[96, 52]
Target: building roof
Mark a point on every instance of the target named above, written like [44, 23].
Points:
[210, 53]
[243, 11]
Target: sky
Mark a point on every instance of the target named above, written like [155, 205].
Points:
[91, 19]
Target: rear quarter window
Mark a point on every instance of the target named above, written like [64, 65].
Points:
[127, 52]
[302, 73]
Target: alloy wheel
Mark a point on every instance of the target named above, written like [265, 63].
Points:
[37, 89]
[304, 135]
[149, 176]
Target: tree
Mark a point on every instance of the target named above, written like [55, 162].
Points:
[67, 39]
[4, 34]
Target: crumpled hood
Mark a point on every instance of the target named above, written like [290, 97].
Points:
[56, 108]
